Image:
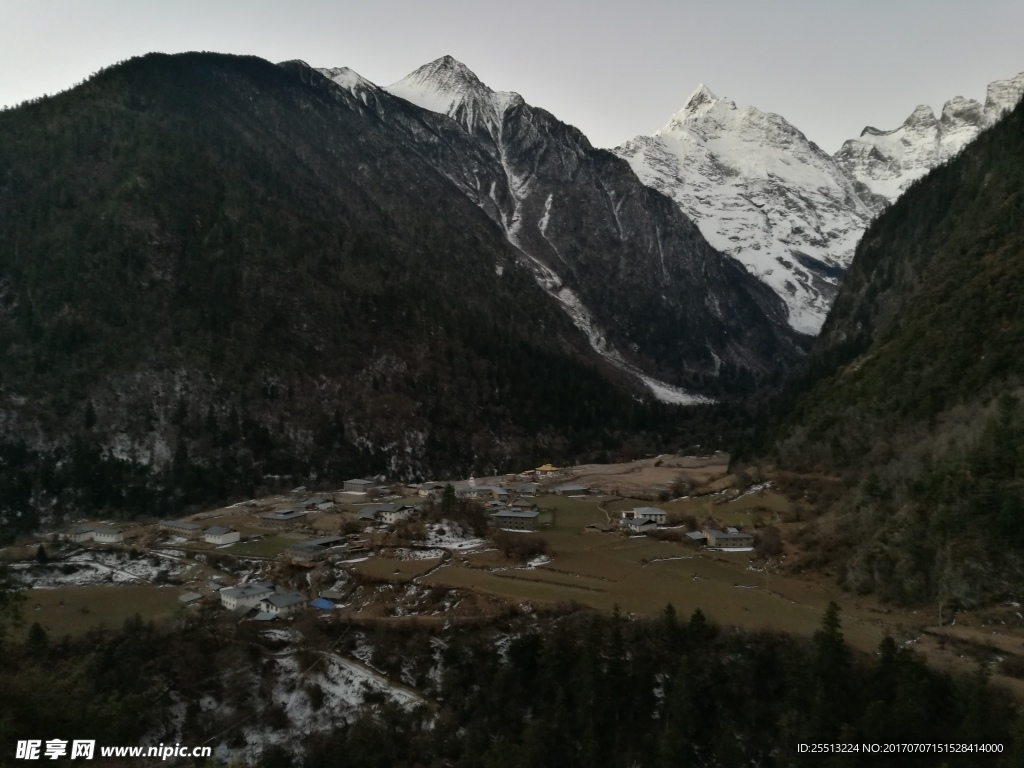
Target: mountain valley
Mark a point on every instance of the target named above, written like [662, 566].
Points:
[373, 426]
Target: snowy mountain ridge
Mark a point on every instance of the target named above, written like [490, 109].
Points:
[887, 162]
[449, 87]
[757, 188]
[761, 192]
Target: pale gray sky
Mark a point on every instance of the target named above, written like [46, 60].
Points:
[613, 69]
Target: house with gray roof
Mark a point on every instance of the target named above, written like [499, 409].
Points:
[283, 517]
[308, 552]
[283, 603]
[724, 540]
[79, 533]
[107, 535]
[245, 595]
[473, 491]
[638, 525]
[653, 514]
[357, 485]
[182, 528]
[513, 519]
[429, 488]
[400, 512]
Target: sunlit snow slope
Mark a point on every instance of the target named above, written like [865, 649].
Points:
[761, 192]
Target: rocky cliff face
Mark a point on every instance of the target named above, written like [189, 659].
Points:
[885, 163]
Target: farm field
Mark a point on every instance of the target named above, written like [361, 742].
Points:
[390, 569]
[764, 506]
[270, 546]
[647, 473]
[75, 610]
[642, 575]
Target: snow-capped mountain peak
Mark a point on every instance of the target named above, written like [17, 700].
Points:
[761, 192]
[959, 109]
[446, 78]
[702, 97]
[449, 87]
[347, 78]
[579, 221]
[922, 115]
[700, 104]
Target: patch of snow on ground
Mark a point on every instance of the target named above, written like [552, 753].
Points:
[449, 535]
[280, 635]
[344, 683]
[91, 568]
[417, 554]
[752, 490]
[671, 557]
[538, 561]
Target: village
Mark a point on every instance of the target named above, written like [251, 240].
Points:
[269, 558]
[632, 537]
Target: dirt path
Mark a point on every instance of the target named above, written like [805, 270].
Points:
[445, 559]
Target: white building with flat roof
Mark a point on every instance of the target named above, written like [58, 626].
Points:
[245, 595]
[107, 535]
[80, 533]
[218, 534]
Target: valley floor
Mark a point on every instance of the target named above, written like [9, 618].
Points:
[449, 574]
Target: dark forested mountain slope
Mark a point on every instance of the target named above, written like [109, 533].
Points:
[214, 269]
[915, 383]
